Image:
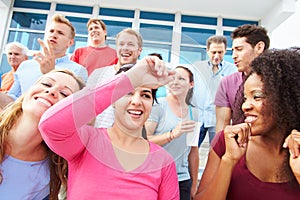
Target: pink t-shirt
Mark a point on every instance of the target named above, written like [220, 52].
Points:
[227, 90]
[94, 170]
[92, 57]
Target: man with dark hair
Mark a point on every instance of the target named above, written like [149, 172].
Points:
[249, 41]
[208, 75]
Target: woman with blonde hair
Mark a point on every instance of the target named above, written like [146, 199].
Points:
[28, 168]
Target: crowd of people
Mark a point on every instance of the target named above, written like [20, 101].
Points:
[109, 137]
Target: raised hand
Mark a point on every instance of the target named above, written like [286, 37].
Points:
[183, 127]
[236, 140]
[150, 72]
[293, 143]
[45, 58]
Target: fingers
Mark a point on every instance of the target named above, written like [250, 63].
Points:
[293, 143]
[159, 67]
[184, 127]
[46, 51]
[188, 126]
[44, 48]
[241, 133]
[150, 72]
[39, 57]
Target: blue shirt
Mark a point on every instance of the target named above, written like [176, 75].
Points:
[24, 179]
[205, 87]
[166, 121]
[29, 72]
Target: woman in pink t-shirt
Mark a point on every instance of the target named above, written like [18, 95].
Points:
[113, 163]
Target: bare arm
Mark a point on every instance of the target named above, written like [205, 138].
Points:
[4, 100]
[223, 116]
[160, 139]
[216, 178]
[194, 167]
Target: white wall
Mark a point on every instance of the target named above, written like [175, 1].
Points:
[4, 14]
[287, 34]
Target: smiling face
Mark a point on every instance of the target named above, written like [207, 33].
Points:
[181, 83]
[15, 56]
[96, 34]
[128, 50]
[59, 37]
[256, 110]
[50, 89]
[132, 110]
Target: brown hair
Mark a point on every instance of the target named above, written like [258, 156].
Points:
[97, 21]
[191, 91]
[219, 39]
[253, 34]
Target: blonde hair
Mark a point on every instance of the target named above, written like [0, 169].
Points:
[59, 18]
[132, 32]
[58, 166]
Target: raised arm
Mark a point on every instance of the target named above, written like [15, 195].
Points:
[193, 160]
[62, 124]
[216, 177]
[223, 117]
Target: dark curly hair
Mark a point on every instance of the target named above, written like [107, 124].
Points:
[253, 34]
[280, 73]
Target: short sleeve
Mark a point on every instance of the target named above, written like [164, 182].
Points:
[218, 144]
[221, 98]
[156, 113]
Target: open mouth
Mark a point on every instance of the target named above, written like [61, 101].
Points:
[43, 101]
[250, 119]
[126, 54]
[135, 112]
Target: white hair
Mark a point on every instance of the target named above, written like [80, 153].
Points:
[19, 45]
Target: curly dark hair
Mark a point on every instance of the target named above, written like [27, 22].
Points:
[280, 73]
[253, 34]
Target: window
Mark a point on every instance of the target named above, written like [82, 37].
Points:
[29, 20]
[31, 4]
[116, 12]
[26, 28]
[157, 16]
[73, 8]
[236, 23]
[164, 50]
[199, 20]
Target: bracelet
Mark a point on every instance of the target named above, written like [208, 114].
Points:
[172, 135]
